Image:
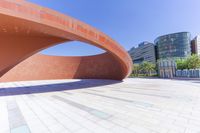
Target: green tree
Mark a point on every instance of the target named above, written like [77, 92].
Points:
[193, 62]
[181, 64]
[147, 67]
[136, 69]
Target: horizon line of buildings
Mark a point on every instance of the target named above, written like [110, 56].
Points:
[174, 45]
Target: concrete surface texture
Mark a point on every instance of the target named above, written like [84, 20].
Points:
[100, 106]
[27, 28]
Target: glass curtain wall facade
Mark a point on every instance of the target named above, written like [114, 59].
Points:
[144, 52]
[176, 45]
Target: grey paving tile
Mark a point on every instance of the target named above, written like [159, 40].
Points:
[146, 94]
[134, 105]
[90, 110]
[121, 99]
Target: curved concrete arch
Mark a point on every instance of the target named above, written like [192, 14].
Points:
[26, 29]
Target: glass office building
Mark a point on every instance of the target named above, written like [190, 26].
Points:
[144, 52]
[176, 45]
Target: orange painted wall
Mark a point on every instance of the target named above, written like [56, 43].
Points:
[41, 67]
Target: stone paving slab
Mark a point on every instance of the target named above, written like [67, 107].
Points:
[100, 106]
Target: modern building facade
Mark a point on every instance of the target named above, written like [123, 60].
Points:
[166, 68]
[165, 50]
[176, 45]
[195, 45]
[144, 52]
[29, 28]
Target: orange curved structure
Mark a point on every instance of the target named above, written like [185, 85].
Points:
[26, 29]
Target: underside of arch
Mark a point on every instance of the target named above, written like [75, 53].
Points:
[26, 29]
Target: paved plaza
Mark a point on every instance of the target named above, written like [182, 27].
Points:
[100, 106]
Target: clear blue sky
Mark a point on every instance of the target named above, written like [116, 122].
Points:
[127, 21]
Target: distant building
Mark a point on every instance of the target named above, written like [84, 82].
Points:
[166, 50]
[195, 45]
[176, 45]
[144, 52]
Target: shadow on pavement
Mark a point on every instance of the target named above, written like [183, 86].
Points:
[82, 84]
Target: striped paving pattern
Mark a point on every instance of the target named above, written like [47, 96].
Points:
[100, 106]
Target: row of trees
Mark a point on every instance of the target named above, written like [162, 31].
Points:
[192, 62]
[145, 68]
